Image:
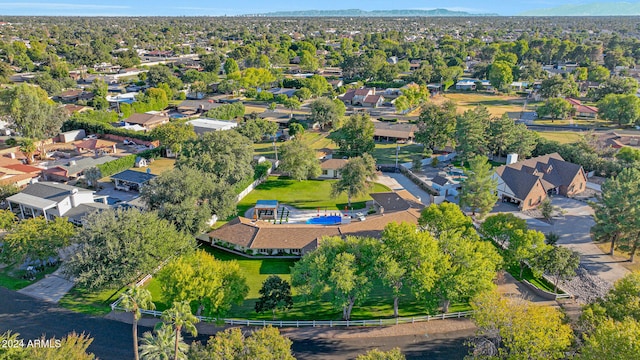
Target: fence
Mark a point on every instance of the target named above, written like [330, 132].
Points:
[253, 185]
[317, 323]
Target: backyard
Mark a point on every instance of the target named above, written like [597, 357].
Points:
[496, 104]
[305, 194]
[378, 304]
[158, 166]
[563, 137]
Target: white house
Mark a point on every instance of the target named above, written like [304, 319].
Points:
[331, 168]
[52, 200]
[203, 125]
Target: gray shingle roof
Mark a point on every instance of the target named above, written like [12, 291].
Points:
[133, 176]
[85, 163]
[390, 201]
[51, 191]
[440, 180]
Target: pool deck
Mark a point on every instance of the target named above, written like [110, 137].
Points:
[297, 216]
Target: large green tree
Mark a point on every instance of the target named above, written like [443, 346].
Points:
[180, 317]
[500, 75]
[211, 284]
[225, 154]
[356, 177]
[115, 247]
[408, 259]
[256, 129]
[188, 198]
[443, 218]
[173, 135]
[342, 268]
[355, 137]
[621, 109]
[327, 112]
[612, 340]
[30, 112]
[559, 262]
[299, 160]
[555, 108]
[232, 344]
[36, 239]
[478, 192]
[471, 133]
[436, 125]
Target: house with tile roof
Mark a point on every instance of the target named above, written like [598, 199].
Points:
[394, 132]
[74, 168]
[331, 168]
[14, 172]
[265, 238]
[583, 111]
[529, 182]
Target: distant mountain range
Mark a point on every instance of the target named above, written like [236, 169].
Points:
[373, 13]
[591, 9]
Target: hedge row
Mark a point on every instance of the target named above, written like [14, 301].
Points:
[102, 128]
[126, 162]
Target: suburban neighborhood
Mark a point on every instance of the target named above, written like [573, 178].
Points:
[404, 185]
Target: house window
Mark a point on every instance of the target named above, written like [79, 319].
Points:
[530, 202]
[295, 251]
[539, 199]
[581, 184]
[325, 172]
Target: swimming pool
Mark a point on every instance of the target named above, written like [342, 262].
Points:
[325, 220]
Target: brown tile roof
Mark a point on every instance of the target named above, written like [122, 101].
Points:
[372, 99]
[362, 92]
[401, 131]
[145, 119]
[374, 224]
[238, 231]
[333, 164]
[348, 96]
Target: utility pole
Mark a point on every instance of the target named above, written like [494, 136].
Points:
[397, 151]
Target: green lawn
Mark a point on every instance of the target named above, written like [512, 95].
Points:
[158, 166]
[11, 278]
[316, 140]
[563, 137]
[90, 302]
[385, 153]
[378, 305]
[305, 194]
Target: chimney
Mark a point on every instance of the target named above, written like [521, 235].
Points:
[512, 158]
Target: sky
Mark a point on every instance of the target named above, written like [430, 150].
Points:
[238, 7]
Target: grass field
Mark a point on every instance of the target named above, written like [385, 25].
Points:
[90, 302]
[316, 140]
[305, 194]
[563, 137]
[378, 305]
[158, 166]
[496, 104]
[386, 153]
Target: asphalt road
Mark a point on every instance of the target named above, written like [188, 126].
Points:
[112, 339]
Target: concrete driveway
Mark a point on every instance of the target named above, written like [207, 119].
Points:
[397, 181]
[52, 288]
[574, 229]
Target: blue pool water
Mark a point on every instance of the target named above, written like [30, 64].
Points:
[325, 220]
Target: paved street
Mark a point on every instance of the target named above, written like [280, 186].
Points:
[112, 339]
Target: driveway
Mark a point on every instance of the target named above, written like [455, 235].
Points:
[397, 181]
[51, 288]
[574, 229]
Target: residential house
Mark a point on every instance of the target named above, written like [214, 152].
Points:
[265, 238]
[72, 109]
[193, 107]
[519, 85]
[146, 120]
[394, 132]
[73, 95]
[14, 172]
[356, 97]
[373, 101]
[444, 186]
[204, 125]
[331, 168]
[131, 180]
[335, 83]
[74, 168]
[466, 85]
[283, 91]
[528, 182]
[583, 111]
[97, 146]
[52, 200]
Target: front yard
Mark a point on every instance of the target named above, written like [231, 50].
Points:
[379, 304]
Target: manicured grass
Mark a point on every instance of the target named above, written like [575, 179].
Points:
[379, 304]
[315, 140]
[496, 104]
[11, 278]
[158, 166]
[385, 153]
[563, 137]
[89, 301]
[305, 194]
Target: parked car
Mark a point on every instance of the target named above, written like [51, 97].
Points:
[93, 136]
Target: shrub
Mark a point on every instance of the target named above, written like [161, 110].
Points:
[260, 170]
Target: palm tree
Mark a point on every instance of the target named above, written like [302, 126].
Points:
[134, 299]
[180, 316]
[160, 346]
[28, 147]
